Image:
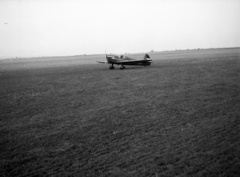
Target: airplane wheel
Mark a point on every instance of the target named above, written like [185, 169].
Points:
[111, 67]
[122, 67]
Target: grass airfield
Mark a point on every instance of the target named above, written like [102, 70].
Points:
[69, 116]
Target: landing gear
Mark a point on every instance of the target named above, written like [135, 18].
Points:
[122, 67]
[111, 67]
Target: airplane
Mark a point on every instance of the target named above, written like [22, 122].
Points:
[125, 60]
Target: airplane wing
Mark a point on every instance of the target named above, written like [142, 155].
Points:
[132, 61]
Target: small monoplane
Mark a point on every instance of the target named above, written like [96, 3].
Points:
[125, 60]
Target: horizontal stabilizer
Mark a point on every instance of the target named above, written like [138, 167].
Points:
[102, 61]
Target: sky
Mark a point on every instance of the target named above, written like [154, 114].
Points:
[34, 28]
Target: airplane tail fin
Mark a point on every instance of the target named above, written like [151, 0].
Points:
[146, 56]
[107, 59]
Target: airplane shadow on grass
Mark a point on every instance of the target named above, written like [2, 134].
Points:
[131, 68]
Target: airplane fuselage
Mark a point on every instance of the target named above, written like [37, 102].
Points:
[125, 60]
[129, 62]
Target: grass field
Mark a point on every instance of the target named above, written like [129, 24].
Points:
[69, 116]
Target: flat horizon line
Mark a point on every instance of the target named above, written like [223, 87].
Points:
[175, 50]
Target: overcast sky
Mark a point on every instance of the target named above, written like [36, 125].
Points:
[72, 27]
